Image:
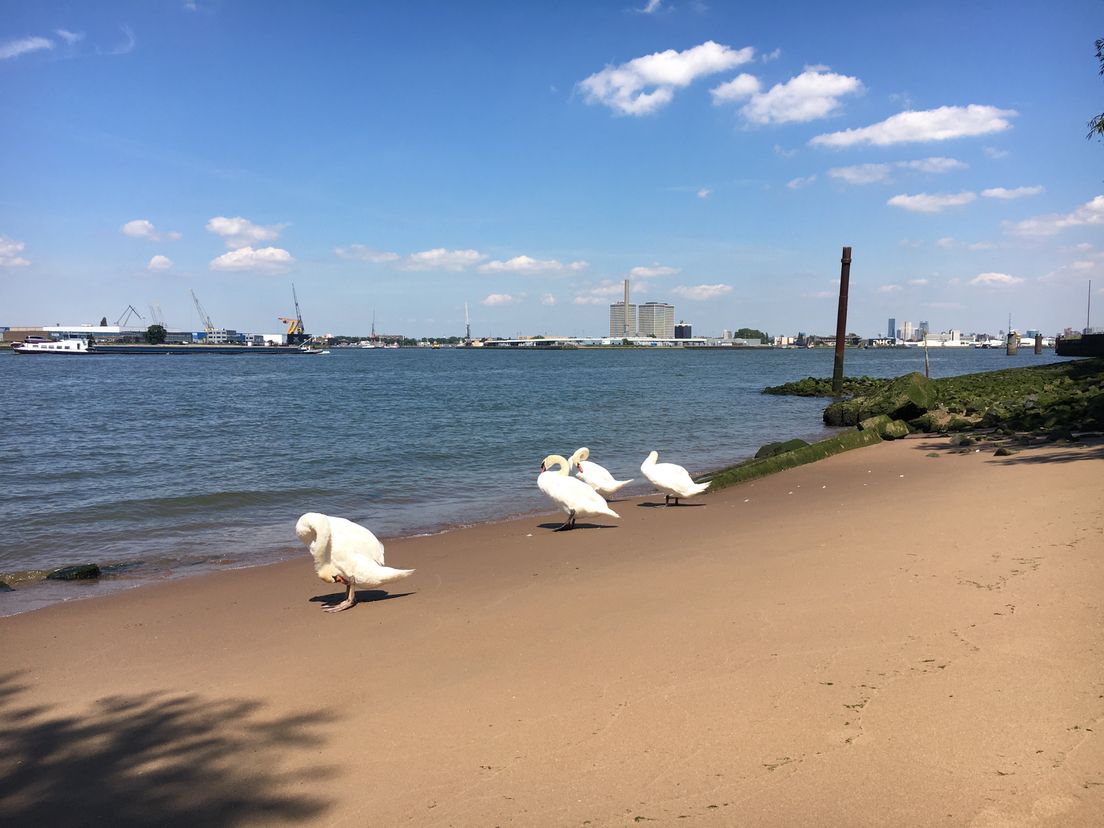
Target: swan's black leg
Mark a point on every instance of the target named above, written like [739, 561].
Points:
[666, 500]
[569, 523]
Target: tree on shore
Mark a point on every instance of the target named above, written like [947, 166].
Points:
[1096, 125]
[155, 334]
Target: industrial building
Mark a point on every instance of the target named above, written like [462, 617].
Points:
[655, 319]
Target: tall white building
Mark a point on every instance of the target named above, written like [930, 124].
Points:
[656, 319]
[906, 331]
[622, 320]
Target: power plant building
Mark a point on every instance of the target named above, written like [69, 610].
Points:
[683, 330]
[656, 319]
[622, 320]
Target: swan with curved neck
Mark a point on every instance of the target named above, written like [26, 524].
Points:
[594, 475]
[671, 479]
[345, 553]
[575, 497]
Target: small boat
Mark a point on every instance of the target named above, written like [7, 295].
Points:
[67, 347]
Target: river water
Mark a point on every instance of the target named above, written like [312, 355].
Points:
[161, 467]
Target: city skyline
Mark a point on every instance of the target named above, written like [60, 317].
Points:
[527, 160]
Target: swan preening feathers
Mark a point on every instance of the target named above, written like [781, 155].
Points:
[575, 497]
[594, 475]
[671, 479]
[345, 553]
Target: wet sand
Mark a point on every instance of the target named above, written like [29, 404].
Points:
[881, 638]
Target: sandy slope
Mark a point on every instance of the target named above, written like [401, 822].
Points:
[882, 638]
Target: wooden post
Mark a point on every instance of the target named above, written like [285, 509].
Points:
[1011, 344]
[841, 321]
[1038, 343]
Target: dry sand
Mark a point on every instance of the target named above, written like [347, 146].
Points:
[882, 638]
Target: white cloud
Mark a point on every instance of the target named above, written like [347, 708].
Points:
[911, 243]
[526, 264]
[651, 7]
[769, 56]
[68, 36]
[812, 94]
[946, 242]
[782, 152]
[740, 87]
[240, 232]
[24, 45]
[934, 203]
[704, 192]
[995, 154]
[995, 280]
[798, 183]
[9, 253]
[861, 173]
[361, 253]
[600, 295]
[889, 288]
[980, 246]
[1083, 265]
[935, 164]
[127, 46]
[1084, 247]
[266, 260]
[1006, 194]
[144, 229]
[652, 271]
[495, 299]
[441, 259]
[701, 293]
[160, 263]
[1089, 213]
[917, 282]
[646, 84]
[940, 124]
[548, 299]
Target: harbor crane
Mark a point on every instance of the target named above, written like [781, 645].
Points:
[126, 314]
[296, 333]
[204, 319]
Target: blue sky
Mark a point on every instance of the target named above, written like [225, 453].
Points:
[402, 159]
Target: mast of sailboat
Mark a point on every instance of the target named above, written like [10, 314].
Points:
[373, 324]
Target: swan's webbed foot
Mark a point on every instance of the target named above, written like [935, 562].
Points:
[350, 599]
[567, 524]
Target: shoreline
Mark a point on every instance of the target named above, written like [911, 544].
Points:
[807, 647]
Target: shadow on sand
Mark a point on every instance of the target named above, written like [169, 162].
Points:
[661, 505]
[577, 526]
[363, 596]
[154, 759]
[1043, 451]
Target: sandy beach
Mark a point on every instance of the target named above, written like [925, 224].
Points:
[881, 638]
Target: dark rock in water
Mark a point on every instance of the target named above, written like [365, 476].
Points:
[772, 449]
[78, 572]
[5, 588]
[895, 430]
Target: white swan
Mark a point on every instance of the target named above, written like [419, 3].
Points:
[594, 475]
[345, 553]
[671, 479]
[573, 496]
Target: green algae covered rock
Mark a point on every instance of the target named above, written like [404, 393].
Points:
[77, 572]
[905, 398]
[752, 469]
[875, 423]
[771, 449]
[895, 430]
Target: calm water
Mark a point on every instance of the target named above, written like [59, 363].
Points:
[169, 466]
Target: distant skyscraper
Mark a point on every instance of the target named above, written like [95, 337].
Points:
[656, 319]
[892, 331]
[906, 331]
[623, 316]
[923, 330]
[683, 330]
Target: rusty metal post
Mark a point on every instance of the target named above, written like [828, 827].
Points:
[1038, 343]
[841, 321]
